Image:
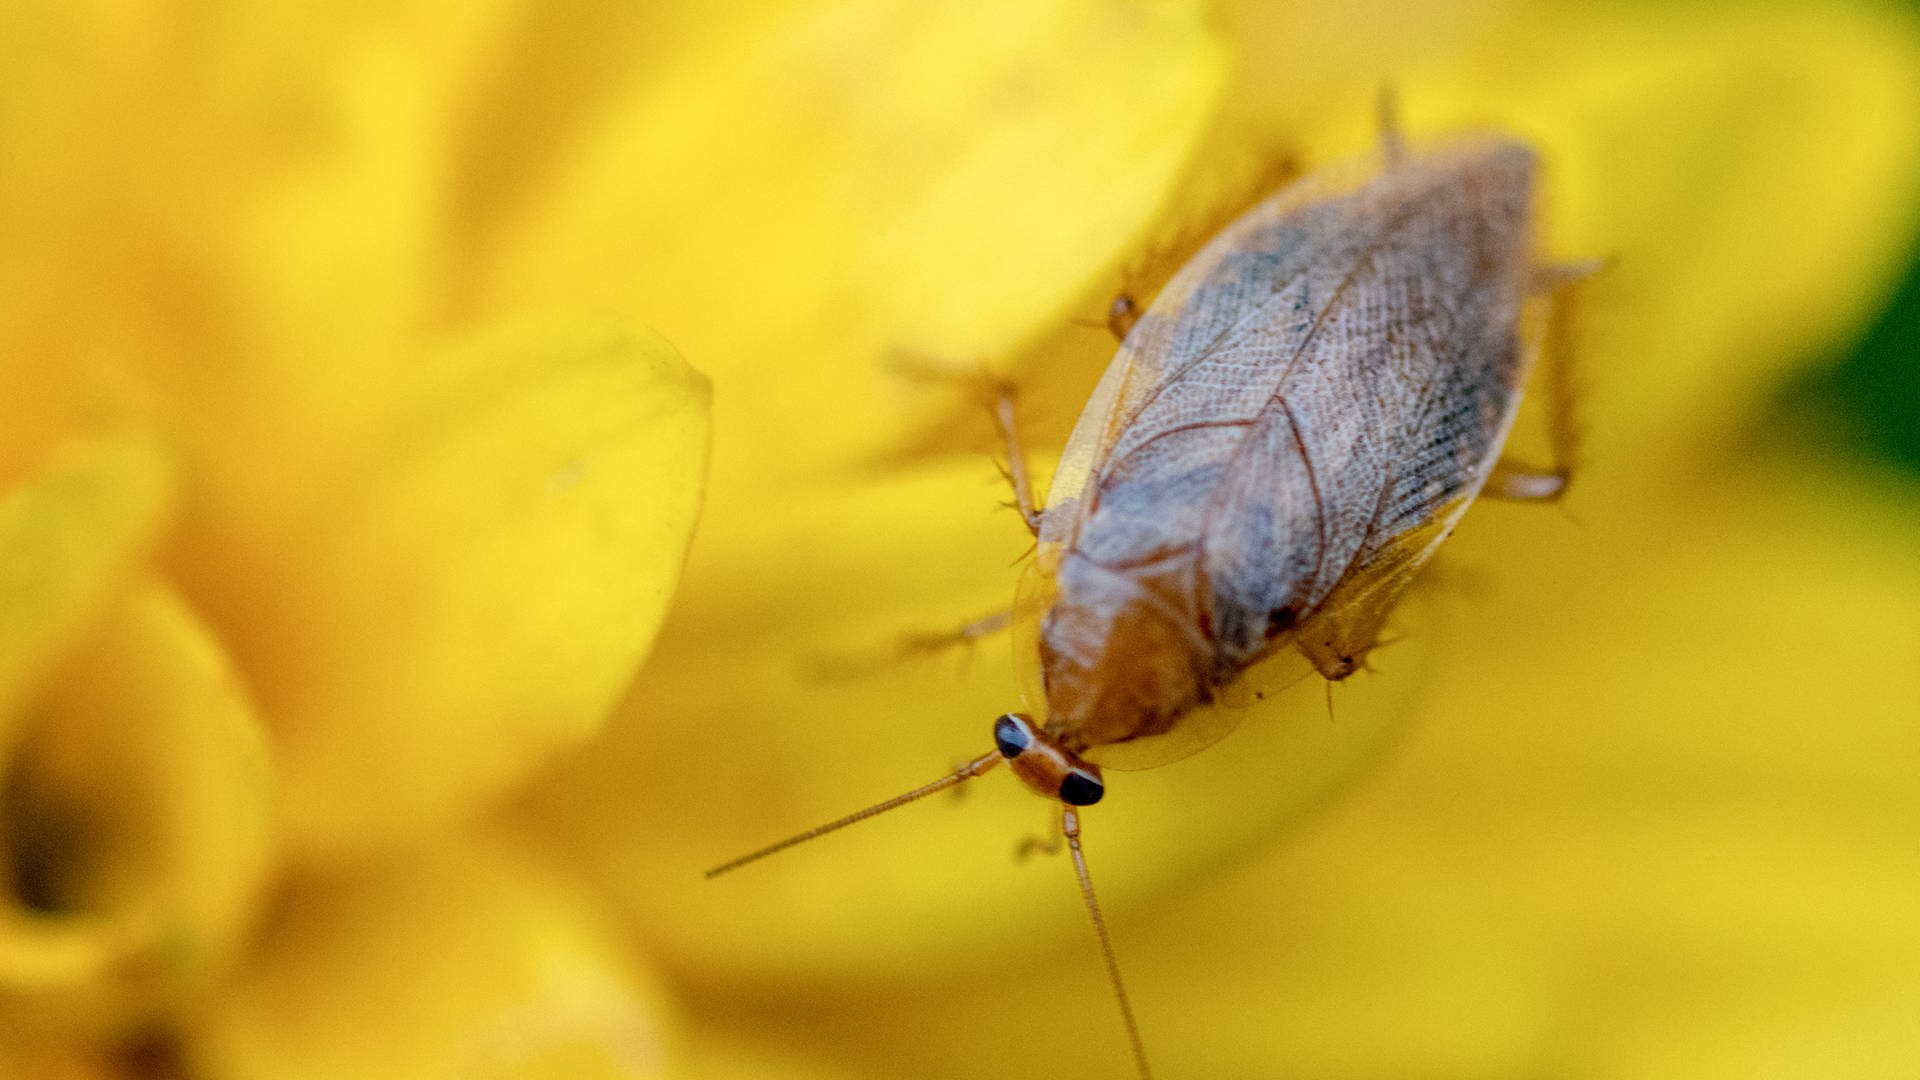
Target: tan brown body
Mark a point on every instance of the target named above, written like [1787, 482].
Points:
[1283, 439]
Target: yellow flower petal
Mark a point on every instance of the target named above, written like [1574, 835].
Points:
[729, 1053]
[475, 595]
[467, 958]
[137, 823]
[1302, 965]
[70, 535]
[741, 739]
[838, 181]
[1740, 166]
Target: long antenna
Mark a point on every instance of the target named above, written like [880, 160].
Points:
[1070, 826]
[965, 772]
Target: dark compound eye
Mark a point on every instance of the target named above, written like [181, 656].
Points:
[1010, 734]
[1080, 789]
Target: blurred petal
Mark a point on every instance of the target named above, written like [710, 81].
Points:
[730, 1053]
[1740, 166]
[1687, 813]
[1305, 66]
[350, 115]
[1330, 960]
[70, 536]
[476, 593]
[736, 738]
[30, 1058]
[466, 958]
[136, 825]
[839, 181]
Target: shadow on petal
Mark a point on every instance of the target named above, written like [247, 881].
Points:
[136, 824]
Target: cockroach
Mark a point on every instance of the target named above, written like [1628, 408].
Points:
[1286, 436]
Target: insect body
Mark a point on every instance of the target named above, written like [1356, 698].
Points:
[1283, 441]
[1285, 437]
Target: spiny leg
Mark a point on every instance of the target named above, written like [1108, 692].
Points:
[1006, 418]
[1001, 398]
[1511, 479]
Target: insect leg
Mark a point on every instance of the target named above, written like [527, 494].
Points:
[1001, 398]
[840, 667]
[1006, 418]
[1338, 637]
[1523, 483]
[965, 634]
[1029, 846]
[1338, 645]
[1515, 482]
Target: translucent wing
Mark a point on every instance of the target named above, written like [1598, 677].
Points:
[1151, 357]
[1295, 424]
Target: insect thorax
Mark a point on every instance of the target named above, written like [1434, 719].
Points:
[1122, 653]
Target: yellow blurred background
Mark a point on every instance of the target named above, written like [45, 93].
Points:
[441, 443]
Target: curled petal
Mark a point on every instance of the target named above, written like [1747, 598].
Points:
[137, 820]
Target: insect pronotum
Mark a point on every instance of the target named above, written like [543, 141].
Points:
[1285, 437]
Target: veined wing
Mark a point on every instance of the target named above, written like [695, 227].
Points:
[1330, 374]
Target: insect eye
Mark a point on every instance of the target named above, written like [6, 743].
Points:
[1011, 735]
[1081, 789]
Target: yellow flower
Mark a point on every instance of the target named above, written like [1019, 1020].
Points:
[344, 494]
[305, 559]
